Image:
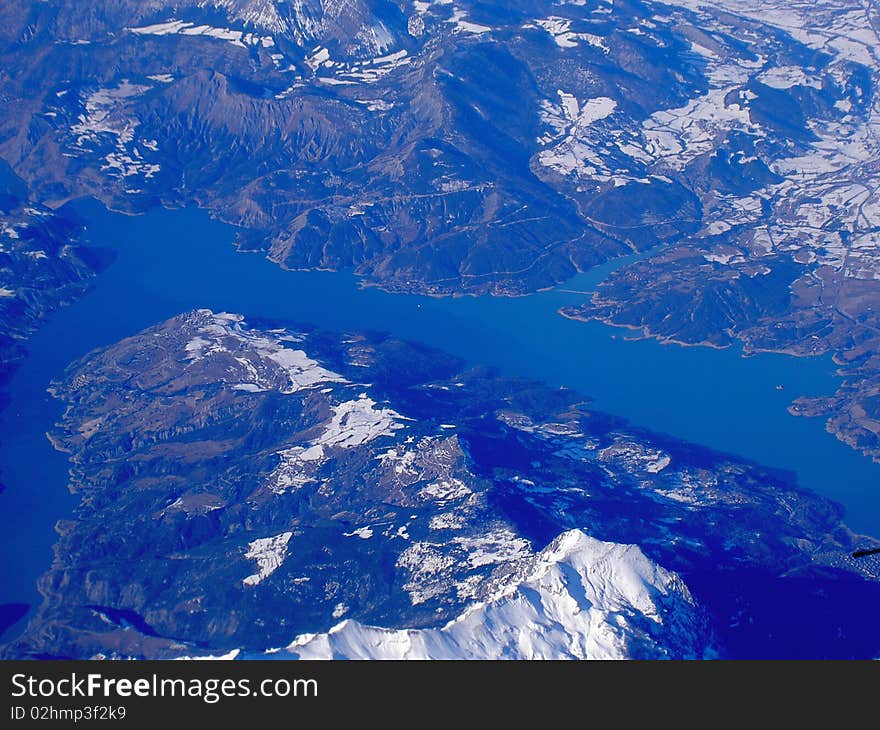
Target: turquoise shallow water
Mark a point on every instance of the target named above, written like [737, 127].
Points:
[172, 261]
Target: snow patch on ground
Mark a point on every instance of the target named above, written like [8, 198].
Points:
[181, 27]
[569, 149]
[347, 72]
[106, 116]
[461, 24]
[427, 565]
[265, 362]
[444, 490]
[560, 30]
[356, 422]
[823, 209]
[634, 456]
[269, 554]
[352, 424]
[446, 521]
[496, 546]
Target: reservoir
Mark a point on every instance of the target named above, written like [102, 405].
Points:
[168, 262]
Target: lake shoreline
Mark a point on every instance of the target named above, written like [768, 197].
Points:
[172, 261]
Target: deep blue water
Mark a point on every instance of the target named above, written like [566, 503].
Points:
[172, 261]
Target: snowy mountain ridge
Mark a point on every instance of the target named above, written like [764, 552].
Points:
[578, 598]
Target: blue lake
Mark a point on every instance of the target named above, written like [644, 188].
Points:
[172, 261]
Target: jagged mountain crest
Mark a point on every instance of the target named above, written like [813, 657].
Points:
[353, 27]
[579, 598]
[350, 23]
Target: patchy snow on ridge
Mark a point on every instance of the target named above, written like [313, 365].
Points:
[106, 115]
[358, 421]
[264, 362]
[494, 547]
[352, 424]
[182, 27]
[564, 37]
[579, 598]
[634, 456]
[257, 361]
[269, 553]
[461, 24]
[822, 211]
[354, 72]
[568, 147]
[103, 113]
[298, 466]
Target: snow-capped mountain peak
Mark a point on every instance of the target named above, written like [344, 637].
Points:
[578, 598]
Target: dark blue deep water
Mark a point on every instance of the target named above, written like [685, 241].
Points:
[171, 261]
